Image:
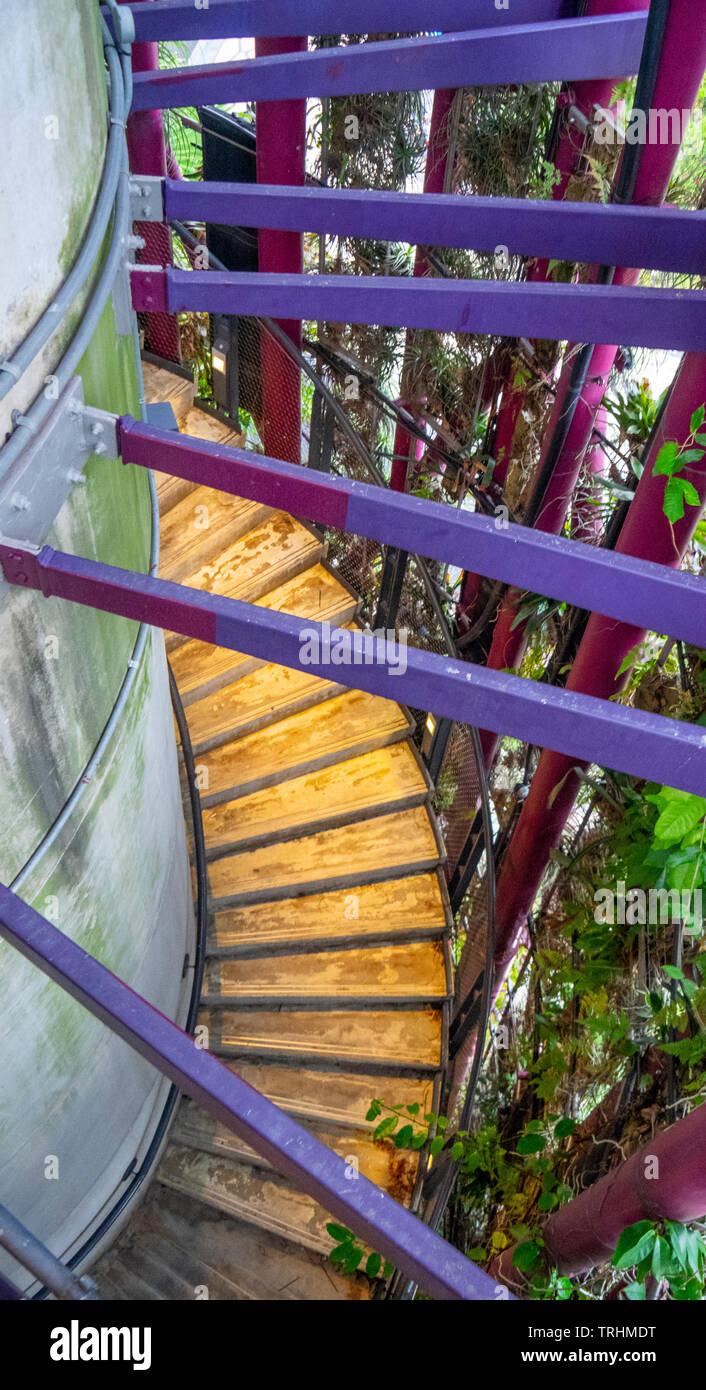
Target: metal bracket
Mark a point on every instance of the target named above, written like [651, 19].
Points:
[146, 198]
[35, 487]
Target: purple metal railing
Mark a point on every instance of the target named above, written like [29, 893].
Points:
[656, 238]
[621, 586]
[293, 1151]
[652, 318]
[567, 50]
[224, 19]
[644, 745]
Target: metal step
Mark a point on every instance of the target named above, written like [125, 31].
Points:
[318, 736]
[402, 909]
[366, 852]
[355, 790]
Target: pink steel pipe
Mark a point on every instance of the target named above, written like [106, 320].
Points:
[605, 644]
[147, 155]
[280, 145]
[434, 175]
[679, 78]
[585, 96]
[664, 1179]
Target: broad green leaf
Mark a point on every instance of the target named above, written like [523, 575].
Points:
[666, 459]
[697, 419]
[564, 1127]
[526, 1256]
[339, 1233]
[404, 1136]
[385, 1127]
[678, 818]
[635, 1292]
[531, 1143]
[373, 1265]
[634, 1244]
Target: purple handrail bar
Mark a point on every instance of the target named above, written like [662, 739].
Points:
[566, 50]
[655, 318]
[224, 19]
[620, 586]
[293, 1151]
[644, 745]
[600, 233]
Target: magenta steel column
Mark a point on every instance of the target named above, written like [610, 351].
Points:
[147, 155]
[648, 535]
[434, 176]
[280, 144]
[679, 78]
[672, 1185]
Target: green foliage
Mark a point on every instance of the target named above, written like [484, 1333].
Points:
[669, 463]
[349, 1254]
[665, 1251]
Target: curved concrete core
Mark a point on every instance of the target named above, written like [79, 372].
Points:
[78, 1107]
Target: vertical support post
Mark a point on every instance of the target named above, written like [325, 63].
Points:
[434, 179]
[649, 535]
[584, 96]
[147, 155]
[281, 135]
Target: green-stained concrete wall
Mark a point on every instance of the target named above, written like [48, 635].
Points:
[76, 1105]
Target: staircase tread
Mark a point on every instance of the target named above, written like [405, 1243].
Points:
[313, 737]
[261, 697]
[391, 1168]
[386, 777]
[397, 1039]
[409, 971]
[333, 1097]
[265, 557]
[394, 906]
[315, 594]
[262, 1197]
[200, 525]
[378, 848]
[237, 1261]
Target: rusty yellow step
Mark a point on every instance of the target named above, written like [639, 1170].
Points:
[316, 594]
[261, 697]
[351, 723]
[170, 491]
[187, 1249]
[262, 1198]
[407, 973]
[264, 558]
[392, 1169]
[392, 1041]
[361, 853]
[399, 908]
[334, 1097]
[395, 908]
[201, 424]
[163, 385]
[389, 778]
[200, 526]
[236, 1261]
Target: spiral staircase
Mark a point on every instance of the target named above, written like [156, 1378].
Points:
[328, 975]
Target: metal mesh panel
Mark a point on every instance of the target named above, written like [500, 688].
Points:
[458, 791]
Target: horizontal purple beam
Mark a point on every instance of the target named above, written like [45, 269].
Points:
[620, 586]
[566, 51]
[654, 318]
[589, 729]
[292, 1150]
[597, 233]
[180, 19]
